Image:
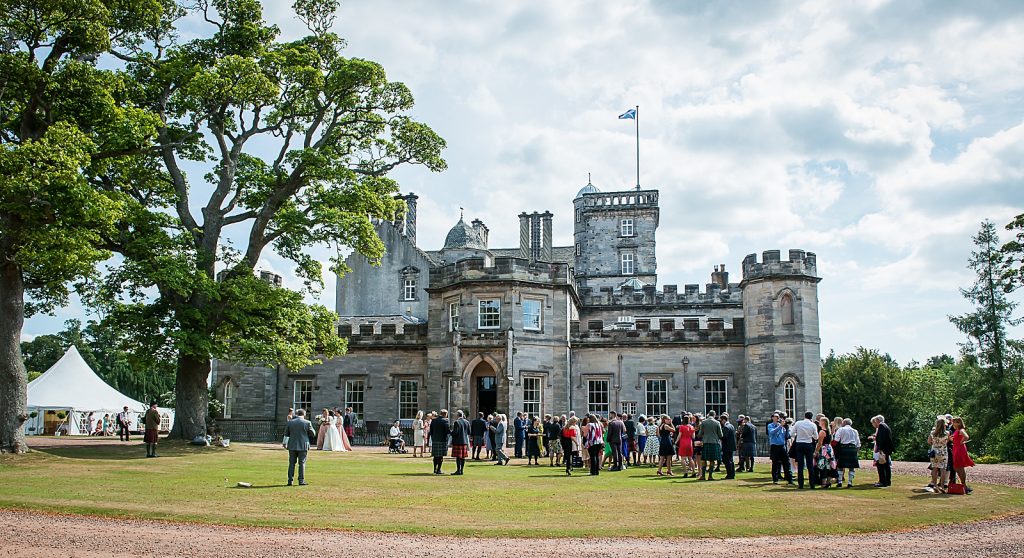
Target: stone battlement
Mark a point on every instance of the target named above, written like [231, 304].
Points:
[713, 293]
[501, 268]
[661, 330]
[370, 333]
[772, 264]
[619, 200]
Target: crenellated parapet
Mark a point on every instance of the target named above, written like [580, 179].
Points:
[799, 264]
[375, 333]
[649, 295]
[501, 268]
[660, 331]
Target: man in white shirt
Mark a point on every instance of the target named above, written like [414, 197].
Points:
[848, 440]
[124, 424]
[806, 436]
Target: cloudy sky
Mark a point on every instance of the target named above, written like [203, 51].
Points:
[878, 134]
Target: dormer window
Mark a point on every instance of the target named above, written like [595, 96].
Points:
[407, 281]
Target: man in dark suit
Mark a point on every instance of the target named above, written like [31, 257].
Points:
[520, 430]
[616, 431]
[478, 429]
[677, 420]
[440, 429]
[884, 447]
[460, 441]
[299, 432]
[728, 446]
[348, 422]
[630, 449]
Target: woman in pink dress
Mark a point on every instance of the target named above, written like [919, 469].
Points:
[322, 430]
[961, 459]
[684, 441]
[345, 442]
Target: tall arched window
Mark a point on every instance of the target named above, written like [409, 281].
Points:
[786, 305]
[789, 398]
[229, 398]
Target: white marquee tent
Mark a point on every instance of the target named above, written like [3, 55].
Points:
[72, 387]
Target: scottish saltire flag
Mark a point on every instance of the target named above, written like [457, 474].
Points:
[631, 113]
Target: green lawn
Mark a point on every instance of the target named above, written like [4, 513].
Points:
[380, 492]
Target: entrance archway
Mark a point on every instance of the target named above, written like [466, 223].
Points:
[483, 389]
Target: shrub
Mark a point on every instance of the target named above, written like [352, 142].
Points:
[1007, 441]
[987, 459]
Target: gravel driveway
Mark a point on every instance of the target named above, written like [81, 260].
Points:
[34, 535]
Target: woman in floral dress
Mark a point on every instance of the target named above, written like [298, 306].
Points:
[652, 445]
[937, 455]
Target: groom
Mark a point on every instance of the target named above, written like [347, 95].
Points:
[299, 432]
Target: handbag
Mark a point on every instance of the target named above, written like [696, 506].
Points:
[932, 453]
[955, 488]
[284, 442]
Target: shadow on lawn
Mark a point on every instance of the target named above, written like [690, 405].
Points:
[119, 452]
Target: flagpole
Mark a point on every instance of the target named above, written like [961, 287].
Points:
[637, 122]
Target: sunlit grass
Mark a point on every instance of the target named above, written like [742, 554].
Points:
[371, 490]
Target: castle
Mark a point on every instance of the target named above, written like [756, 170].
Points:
[548, 329]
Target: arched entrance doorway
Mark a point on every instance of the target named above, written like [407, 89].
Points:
[483, 389]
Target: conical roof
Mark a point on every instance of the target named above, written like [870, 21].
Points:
[464, 236]
[588, 189]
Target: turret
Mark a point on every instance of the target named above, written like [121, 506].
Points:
[782, 342]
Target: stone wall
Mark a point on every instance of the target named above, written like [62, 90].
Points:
[370, 290]
[254, 388]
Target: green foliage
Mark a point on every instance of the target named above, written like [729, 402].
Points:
[863, 384]
[1007, 441]
[334, 127]
[931, 391]
[1013, 251]
[992, 389]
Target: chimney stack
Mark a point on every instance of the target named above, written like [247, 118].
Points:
[720, 277]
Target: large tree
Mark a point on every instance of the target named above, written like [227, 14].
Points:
[865, 383]
[986, 329]
[62, 119]
[264, 144]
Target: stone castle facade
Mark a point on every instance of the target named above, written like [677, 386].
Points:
[548, 329]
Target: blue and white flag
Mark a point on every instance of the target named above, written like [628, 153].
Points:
[631, 113]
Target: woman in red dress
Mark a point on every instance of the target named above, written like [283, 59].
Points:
[684, 441]
[961, 459]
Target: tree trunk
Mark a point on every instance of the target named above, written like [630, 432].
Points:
[190, 397]
[13, 380]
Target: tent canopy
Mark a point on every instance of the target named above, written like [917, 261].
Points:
[71, 385]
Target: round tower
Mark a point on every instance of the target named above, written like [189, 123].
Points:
[782, 340]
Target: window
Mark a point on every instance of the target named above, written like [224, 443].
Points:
[579, 215]
[786, 305]
[626, 227]
[578, 250]
[354, 396]
[656, 393]
[531, 314]
[629, 408]
[597, 397]
[229, 398]
[532, 396]
[789, 398]
[408, 399]
[628, 261]
[409, 289]
[453, 316]
[302, 395]
[715, 396]
[489, 316]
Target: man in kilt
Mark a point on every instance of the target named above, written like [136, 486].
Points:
[711, 446]
[848, 440]
[439, 432]
[152, 433]
[460, 441]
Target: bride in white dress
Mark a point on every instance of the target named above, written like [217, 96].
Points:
[333, 440]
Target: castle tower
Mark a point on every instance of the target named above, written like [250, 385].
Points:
[615, 238]
[783, 347]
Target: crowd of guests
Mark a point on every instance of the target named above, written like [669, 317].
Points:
[824, 452]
